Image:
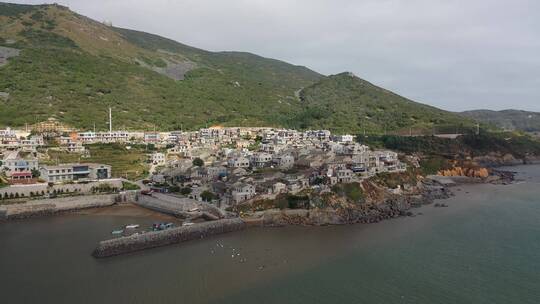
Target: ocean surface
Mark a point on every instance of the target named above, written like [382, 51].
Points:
[483, 248]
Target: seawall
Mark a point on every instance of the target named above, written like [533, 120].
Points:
[155, 239]
[46, 207]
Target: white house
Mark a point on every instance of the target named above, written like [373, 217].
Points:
[238, 162]
[158, 159]
[260, 160]
[242, 192]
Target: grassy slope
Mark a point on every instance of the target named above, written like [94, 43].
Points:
[348, 103]
[507, 119]
[74, 68]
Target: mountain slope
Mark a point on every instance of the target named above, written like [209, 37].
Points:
[507, 119]
[74, 68]
[351, 104]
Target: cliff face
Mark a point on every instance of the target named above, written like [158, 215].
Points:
[477, 172]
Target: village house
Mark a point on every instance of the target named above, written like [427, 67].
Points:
[17, 166]
[242, 192]
[75, 172]
[260, 160]
[238, 162]
[283, 161]
[215, 172]
[158, 158]
[344, 138]
[152, 138]
[344, 175]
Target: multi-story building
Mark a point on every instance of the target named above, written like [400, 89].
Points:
[18, 166]
[283, 161]
[260, 160]
[242, 192]
[75, 172]
[152, 137]
[238, 162]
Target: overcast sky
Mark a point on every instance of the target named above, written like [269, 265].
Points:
[454, 54]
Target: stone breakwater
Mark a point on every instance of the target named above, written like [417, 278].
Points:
[47, 207]
[155, 239]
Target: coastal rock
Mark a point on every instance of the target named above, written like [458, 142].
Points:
[497, 160]
[468, 172]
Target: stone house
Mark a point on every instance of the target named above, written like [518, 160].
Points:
[260, 160]
[283, 161]
[238, 162]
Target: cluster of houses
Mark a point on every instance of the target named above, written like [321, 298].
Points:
[233, 164]
[19, 162]
[242, 164]
[24, 168]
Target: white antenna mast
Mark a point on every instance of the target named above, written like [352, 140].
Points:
[110, 120]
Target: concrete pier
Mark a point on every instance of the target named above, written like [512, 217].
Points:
[149, 240]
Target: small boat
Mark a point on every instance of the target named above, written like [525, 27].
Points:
[132, 226]
[193, 210]
[187, 224]
[162, 226]
[116, 232]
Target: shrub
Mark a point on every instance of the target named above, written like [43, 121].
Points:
[198, 162]
[351, 191]
[185, 191]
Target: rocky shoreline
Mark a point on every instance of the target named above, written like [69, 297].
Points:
[392, 206]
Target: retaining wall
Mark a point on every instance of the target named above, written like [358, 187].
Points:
[46, 207]
[41, 189]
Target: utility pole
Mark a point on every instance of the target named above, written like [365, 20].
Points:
[110, 120]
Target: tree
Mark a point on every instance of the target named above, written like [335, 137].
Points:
[35, 173]
[174, 189]
[207, 196]
[185, 191]
[198, 162]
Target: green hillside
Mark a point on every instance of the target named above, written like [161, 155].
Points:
[73, 68]
[512, 120]
[350, 104]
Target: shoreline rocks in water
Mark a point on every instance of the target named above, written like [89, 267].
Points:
[177, 235]
[394, 206]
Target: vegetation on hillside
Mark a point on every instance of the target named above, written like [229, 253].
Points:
[438, 153]
[126, 163]
[14, 10]
[74, 69]
[347, 103]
